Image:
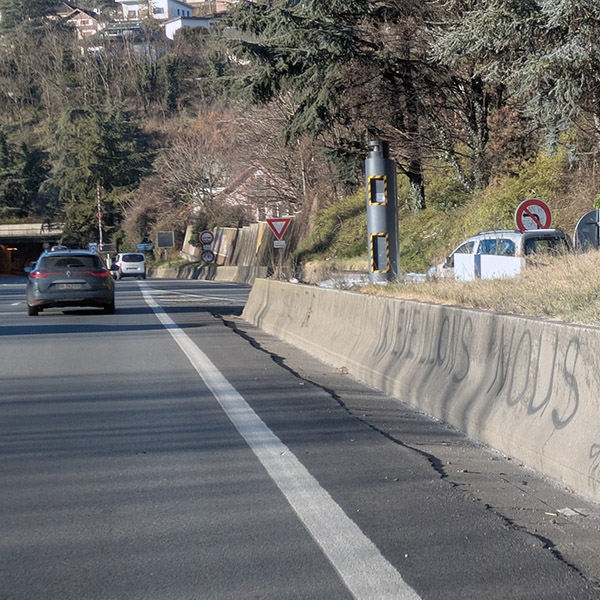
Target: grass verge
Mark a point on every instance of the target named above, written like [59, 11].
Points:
[559, 288]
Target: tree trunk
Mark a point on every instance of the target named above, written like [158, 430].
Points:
[416, 191]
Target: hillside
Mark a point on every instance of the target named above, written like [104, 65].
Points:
[269, 114]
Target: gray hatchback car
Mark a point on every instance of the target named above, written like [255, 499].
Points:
[64, 278]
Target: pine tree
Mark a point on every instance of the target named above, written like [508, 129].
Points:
[95, 149]
[343, 63]
[22, 171]
[17, 11]
[544, 52]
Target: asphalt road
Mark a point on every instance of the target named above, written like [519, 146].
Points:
[171, 451]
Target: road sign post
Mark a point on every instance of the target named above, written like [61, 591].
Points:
[206, 238]
[587, 232]
[207, 256]
[279, 227]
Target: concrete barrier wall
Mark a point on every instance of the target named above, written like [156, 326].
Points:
[244, 275]
[526, 387]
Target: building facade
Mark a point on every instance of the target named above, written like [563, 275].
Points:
[161, 10]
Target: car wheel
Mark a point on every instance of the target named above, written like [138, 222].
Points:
[32, 311]
[109, 309]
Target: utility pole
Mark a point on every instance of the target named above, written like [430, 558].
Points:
[99, 218]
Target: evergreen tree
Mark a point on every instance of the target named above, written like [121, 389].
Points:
[17, 11]
[22, 171]
[342, 62]
[96, 150]
[544, 52]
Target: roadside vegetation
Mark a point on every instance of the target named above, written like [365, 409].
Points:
[565, 288]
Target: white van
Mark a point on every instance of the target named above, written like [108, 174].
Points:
[129, 264]
[500, 253]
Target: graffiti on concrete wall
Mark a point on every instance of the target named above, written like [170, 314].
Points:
[415, 335]
[528, 367]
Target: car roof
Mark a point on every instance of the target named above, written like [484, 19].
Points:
[68, 252]
[516, 233]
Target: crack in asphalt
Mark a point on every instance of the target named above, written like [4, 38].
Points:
[435, 462]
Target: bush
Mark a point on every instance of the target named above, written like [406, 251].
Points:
[339, 230]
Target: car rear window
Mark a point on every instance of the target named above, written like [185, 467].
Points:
[133, 258]
[547, 245]
[75, 261]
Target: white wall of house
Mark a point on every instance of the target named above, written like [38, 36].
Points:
[174, 25]
[161, 10]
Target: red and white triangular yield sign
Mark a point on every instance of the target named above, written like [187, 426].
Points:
[279, 226]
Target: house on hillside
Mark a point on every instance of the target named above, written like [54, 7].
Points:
[86, 22]
[172, 26]
[161, 10]
[211, 7]
[259, 195]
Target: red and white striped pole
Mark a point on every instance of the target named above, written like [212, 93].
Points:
[99, 218]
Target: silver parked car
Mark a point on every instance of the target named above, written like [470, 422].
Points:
[63, 278]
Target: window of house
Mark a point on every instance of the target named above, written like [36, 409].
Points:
[159, 10]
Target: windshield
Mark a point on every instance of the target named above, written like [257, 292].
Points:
[78, 261]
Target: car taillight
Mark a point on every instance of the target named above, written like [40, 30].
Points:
[39, 275]
[103, 273]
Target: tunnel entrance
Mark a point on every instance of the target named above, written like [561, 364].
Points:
[22, 243]
[15, 257]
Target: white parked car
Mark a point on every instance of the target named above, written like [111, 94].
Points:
[129, 264]
[500, 253]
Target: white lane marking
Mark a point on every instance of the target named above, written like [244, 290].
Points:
[364, 571]
[196, 296]
[16, 303]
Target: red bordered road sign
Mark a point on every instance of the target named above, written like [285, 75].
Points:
[533, 214]
[208, 256]
[279, 226]
[207, 237]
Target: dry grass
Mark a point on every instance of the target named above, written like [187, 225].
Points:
[563, 288]
[314, 271]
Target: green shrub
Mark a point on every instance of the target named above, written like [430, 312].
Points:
[340, 230]
[427, 236]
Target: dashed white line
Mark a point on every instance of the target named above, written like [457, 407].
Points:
[362, 568]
